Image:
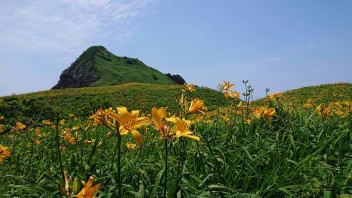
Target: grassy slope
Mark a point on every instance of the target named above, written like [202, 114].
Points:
[140, 96]
[120, 70]
[83, 101]
[320, 94]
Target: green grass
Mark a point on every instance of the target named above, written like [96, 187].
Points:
[325, 93]
[84, 101]
[114, 70]
[301, 154]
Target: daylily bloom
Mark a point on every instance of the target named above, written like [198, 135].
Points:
[4, 152]
[274, 95]
[258, 111]
[1, 128]
[131, 146]
[181, 128]
[158, 116]
[129, 122]
[20, 126]
[62, 122]
[227, 85]
[47, 122]
[231, 94]
[308, 104]
[88, 191]
[196, 105]
[187, 87]
[266, 112]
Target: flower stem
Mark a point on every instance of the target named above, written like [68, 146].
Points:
[165, 178]
[119, 164]
[58, 145]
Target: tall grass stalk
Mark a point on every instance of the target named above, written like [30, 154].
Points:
[58, 145]
[166, 166]
[119, 164]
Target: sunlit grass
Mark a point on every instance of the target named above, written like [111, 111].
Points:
[268, 148]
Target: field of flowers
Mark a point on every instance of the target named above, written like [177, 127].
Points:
[234, 148]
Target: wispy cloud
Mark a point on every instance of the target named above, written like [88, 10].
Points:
[66, 25]
[309, 45]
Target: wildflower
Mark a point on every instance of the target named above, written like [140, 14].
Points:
[308, 104]
[20, 126]
[131, 146]
[2, 117]
[129, 122]
[4, 152]
[196, 105]
[227, 85]
[231, 94]
[274, 96]
[88, 191]
[181, 128]
[258, 111]
[158, 116]
[62, 122]
[225, 118]
[68, 137]
[47, 122]
[188, 88]
[75, 128]
[37, 132]
[266, 112]
[36, 142]
[1, 128]
[71, 115]
[248, 121]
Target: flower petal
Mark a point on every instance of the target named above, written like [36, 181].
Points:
[137, 136]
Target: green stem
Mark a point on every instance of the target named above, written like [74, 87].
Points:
[58, 145]
[165, 178]
[119, 164]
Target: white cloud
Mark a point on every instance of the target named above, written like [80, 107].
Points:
[66, 25]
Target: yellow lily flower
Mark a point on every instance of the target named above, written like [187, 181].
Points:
[181, 128]
[129, 122]
[266, 112]
[187, 87]
[231, 94]
[131, 146]
[258, 111]
[88, 191]
[196, 105]
[227, 85]
[158, 115]
[4, 152]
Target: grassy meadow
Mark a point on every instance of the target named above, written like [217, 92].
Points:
[143, 140]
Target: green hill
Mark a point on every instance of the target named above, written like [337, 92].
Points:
[84, 101]
[324, 94]
[99, 67]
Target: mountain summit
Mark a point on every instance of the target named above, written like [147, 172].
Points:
[98, 67]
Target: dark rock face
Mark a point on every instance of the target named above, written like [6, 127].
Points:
[78, 75]
[176, 78]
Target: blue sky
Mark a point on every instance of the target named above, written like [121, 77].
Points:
[274, 44]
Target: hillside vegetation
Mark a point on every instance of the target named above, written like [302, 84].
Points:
[85, 101]
[324, 94]
[99, 67]
[284, 146]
